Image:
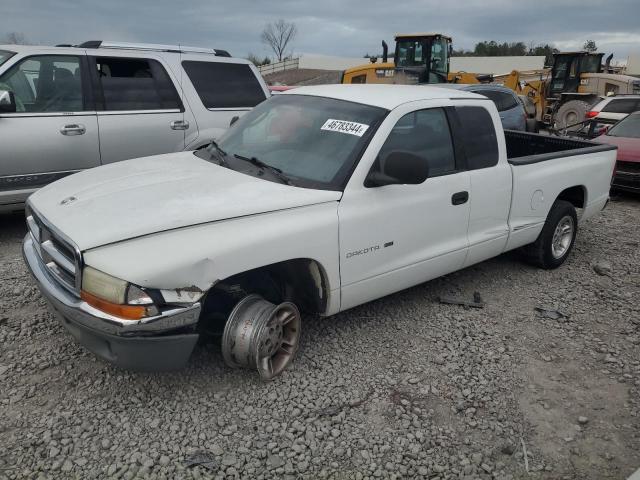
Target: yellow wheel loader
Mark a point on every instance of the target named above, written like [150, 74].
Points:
[418, 58]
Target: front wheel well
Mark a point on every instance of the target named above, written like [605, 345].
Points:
[576, 196]
[302, 281]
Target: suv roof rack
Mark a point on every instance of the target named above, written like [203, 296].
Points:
[153, 47]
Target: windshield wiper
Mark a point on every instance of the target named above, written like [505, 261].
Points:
[265, 166]
[221, 153]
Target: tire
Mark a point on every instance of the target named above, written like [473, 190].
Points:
[570, 113]
[555, 242]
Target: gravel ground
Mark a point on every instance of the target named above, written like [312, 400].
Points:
[404, 387]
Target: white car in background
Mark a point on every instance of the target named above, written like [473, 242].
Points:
[614, 108]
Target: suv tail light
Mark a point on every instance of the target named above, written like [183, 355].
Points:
[591, 114]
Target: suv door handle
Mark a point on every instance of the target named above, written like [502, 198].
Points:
[179, 125]
[459, 198]
[73, 129]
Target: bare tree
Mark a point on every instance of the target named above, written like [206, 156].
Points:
[278, 35]
[590, 46]
[14, 38]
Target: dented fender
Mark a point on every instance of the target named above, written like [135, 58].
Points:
[185, 263]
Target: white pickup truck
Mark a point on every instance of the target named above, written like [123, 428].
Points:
[318, 200]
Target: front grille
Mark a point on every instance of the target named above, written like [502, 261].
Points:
[59, 255]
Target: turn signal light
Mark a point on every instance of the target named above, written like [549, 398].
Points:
[591, 114]
[127, 312]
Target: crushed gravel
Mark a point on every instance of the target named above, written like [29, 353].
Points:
[403, 387]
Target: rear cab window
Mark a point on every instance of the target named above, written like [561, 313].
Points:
[478, 136]
[224, 84]
[132, 84]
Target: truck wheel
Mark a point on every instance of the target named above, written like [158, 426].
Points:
[570, 113]
[556, 240]
[261, 335]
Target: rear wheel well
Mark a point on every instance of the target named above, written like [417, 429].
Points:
[302, 281]
[574, 195]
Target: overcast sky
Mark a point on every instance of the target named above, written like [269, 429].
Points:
[332, 27]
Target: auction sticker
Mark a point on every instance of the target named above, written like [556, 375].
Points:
[343, 126]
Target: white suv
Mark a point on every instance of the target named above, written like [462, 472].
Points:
[68, 108]
[615, 108]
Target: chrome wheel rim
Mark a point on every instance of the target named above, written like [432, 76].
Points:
[261, 335]
[280, 341]
[562, 237]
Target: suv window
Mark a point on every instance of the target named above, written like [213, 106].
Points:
[47, 83]
[224, 85]
[503, 100]
[478, 136]
[623, 105]
[424, 133]
[135, 84]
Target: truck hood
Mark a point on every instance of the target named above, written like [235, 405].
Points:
[138, 197]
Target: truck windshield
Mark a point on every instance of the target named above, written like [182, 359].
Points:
[5, 55]
[628, 127]
[313, 141]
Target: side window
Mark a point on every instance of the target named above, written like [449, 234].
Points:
[424, 133]
[135, 84]
[478, 136]
[47, 83]
[359, 79]
[502, 100]
[625, 105]
[224, 85]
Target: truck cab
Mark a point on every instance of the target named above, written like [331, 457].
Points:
[318, 200]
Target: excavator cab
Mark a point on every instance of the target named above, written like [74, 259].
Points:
[423, 58]
[567, 68]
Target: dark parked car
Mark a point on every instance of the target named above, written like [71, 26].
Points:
[626, 136]
[510, 107]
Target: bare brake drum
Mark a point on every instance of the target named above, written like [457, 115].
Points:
[261, 335]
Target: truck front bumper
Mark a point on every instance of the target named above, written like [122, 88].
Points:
[150, 344]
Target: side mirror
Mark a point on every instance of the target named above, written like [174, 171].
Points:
[400, 167]
[7, 101]
[234, 120]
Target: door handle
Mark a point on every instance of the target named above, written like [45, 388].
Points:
[179, 125]
[459, 198]
[73, 129]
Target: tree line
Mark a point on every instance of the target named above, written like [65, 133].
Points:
[491, 48]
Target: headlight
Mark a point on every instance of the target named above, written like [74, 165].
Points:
[115, 296]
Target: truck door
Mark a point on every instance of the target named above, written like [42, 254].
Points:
[395, 236]
[54, 131]
[140, 112]
[490, 178]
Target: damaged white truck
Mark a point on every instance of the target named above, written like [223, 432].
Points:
[316, 201]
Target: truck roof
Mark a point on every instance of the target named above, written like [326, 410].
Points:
[384, 96]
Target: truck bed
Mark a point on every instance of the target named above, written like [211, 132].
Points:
[524, 148]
